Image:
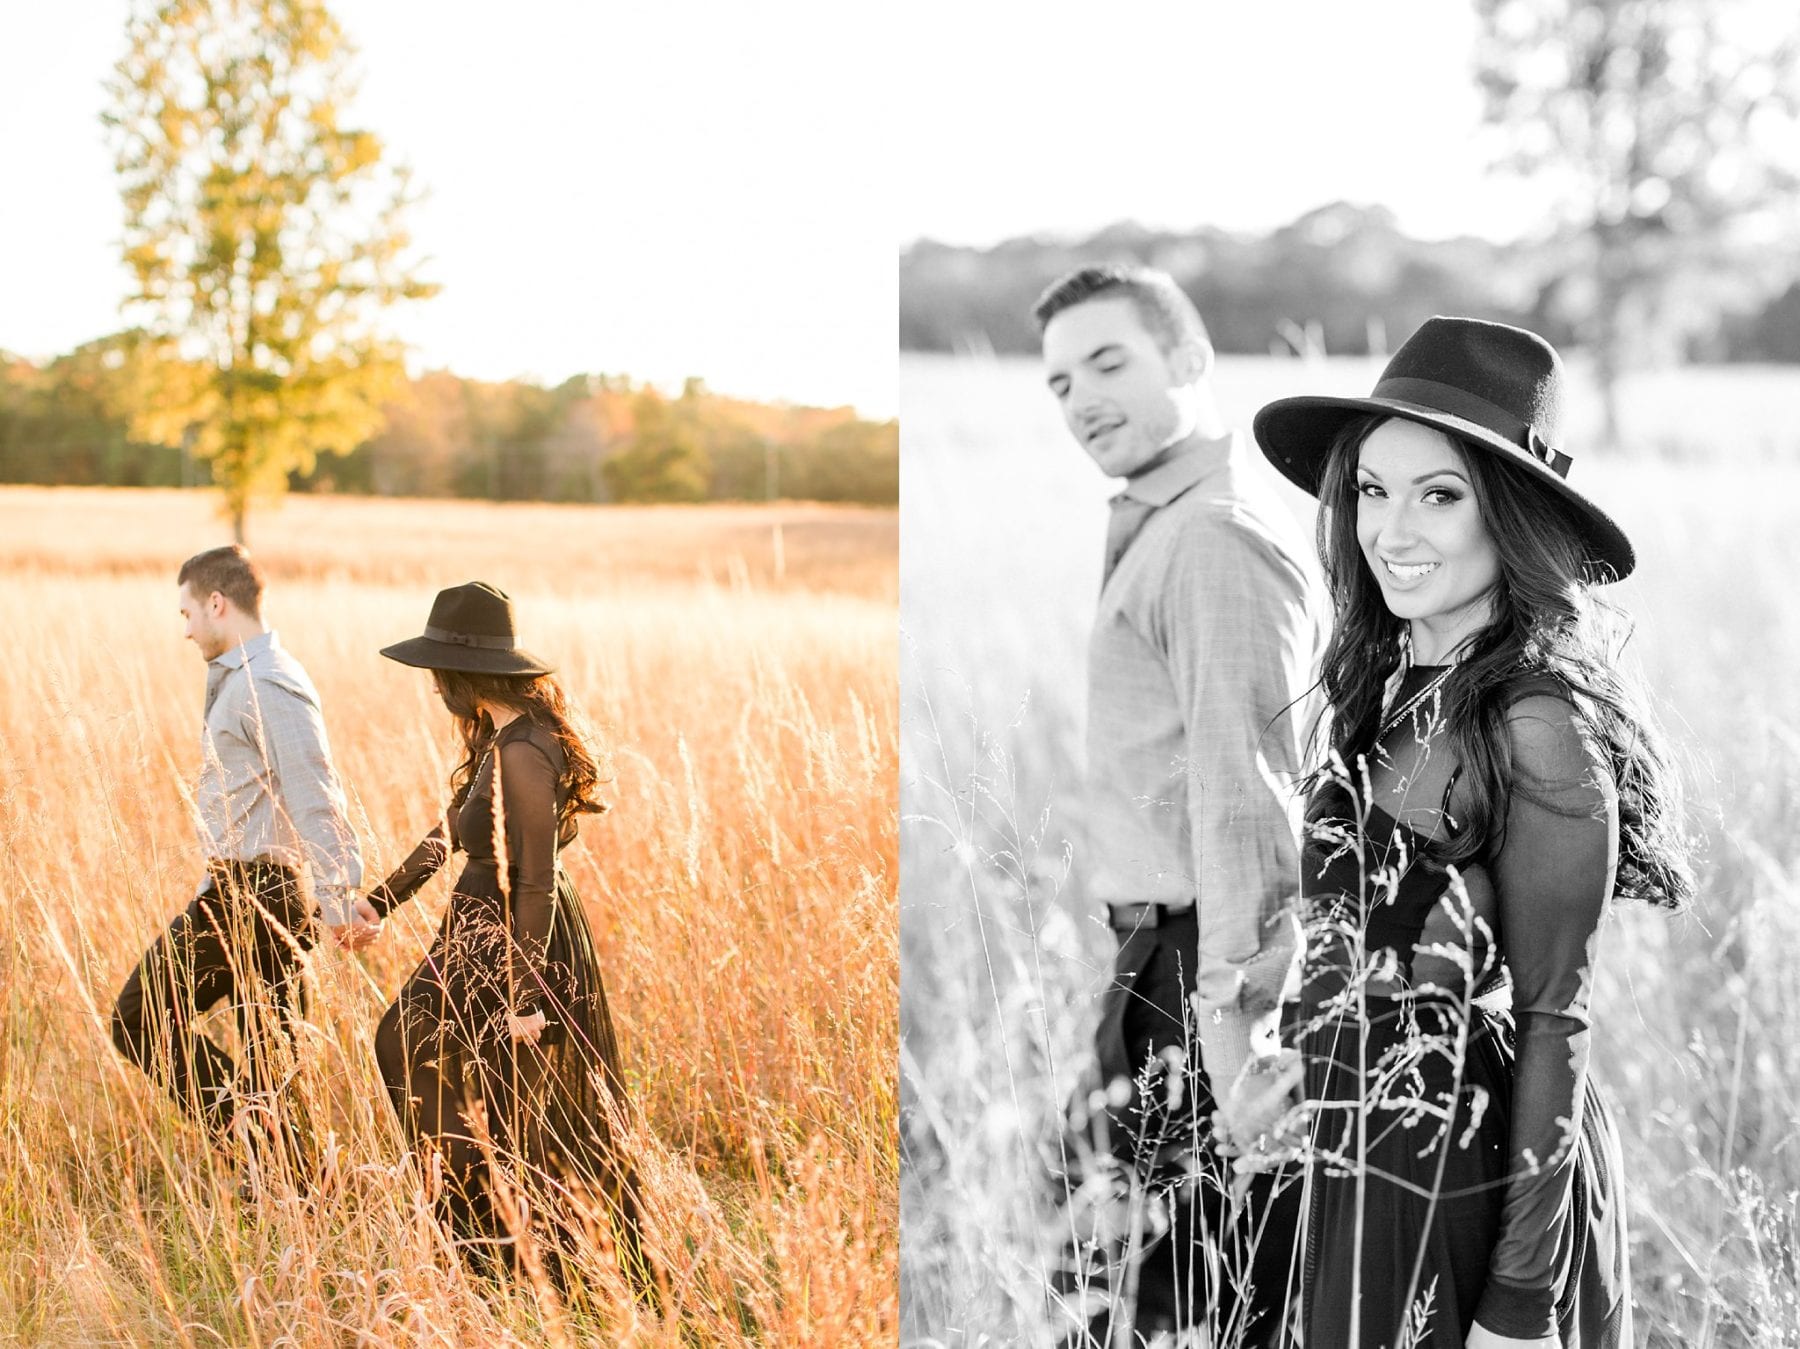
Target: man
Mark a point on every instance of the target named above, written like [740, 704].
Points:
[1202, 656]
[270, 810]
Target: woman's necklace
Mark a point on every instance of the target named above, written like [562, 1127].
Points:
[1394, 718]
[1399, 714]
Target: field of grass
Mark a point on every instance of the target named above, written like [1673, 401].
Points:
[740, 663]
[1697, 1017]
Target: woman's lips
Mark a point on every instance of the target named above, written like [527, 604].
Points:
[1405, 574]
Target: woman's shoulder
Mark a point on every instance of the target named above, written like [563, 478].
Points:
[535, 733]
[1547, 734]
[1535, 683]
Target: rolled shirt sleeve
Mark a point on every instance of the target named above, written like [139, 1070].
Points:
[305, 788]
[1234, 625]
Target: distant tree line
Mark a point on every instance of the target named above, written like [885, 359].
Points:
[1342, 279]
[591, 438]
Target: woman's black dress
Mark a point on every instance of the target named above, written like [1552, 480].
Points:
[514, 938]
[1465, 1167]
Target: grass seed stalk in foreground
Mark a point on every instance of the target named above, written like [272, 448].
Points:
[741, 891]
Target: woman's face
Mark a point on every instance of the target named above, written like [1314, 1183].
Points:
[1421, 532]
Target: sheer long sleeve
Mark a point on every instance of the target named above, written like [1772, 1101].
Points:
[527, 793]
[421, 864]
[1554, 874]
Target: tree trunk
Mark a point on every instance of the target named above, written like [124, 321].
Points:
[1610, 432]
[1608, 362]
[1609, 350]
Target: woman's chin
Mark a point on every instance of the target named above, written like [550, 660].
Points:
[1402, 604]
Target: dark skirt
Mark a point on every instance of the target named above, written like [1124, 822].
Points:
[1412, 1240]
[556, 1110]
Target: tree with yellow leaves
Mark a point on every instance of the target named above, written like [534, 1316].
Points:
[263, 234]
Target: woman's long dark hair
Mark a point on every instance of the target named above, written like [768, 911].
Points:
[1545, 621]
[539, 697]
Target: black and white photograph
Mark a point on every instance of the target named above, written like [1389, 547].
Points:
[1349, 845]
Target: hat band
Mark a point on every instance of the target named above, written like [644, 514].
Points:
[1474, 408]
[468, 639]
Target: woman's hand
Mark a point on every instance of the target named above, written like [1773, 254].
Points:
[1480, 1337]
[525, 1027]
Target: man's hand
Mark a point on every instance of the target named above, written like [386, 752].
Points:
[364, 928]
[1247, 1122]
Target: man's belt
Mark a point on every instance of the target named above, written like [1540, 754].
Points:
[248, 866]
[1132, 917]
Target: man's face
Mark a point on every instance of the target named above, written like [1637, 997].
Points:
[205, 620]
[1124, 399]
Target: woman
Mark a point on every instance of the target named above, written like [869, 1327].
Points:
[1492, 782]
[505, 1021]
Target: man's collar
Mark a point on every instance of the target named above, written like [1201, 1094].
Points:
[1192, 464]
[232, 657]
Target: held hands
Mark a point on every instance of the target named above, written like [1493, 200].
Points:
[1257, 1121]
[1480, 1337]
[364, 928]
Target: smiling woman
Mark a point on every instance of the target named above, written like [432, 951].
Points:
[1422, 535]
[1492, 782]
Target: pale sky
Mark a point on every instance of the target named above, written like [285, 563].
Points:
[1178, 113]
[655, 189]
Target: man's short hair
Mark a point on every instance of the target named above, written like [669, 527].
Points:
[1166, 311]
[227, 570]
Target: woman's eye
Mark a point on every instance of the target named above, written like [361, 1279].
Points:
[1369, 489]
[1442, 496]
[1110, 367]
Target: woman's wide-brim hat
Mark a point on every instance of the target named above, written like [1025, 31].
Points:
[1492, 386]
[470, 631]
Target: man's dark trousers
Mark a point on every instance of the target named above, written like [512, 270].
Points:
[1148, 1037]
[241, 938]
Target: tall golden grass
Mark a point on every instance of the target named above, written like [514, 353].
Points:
[741, 665]
[1697, 1018]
